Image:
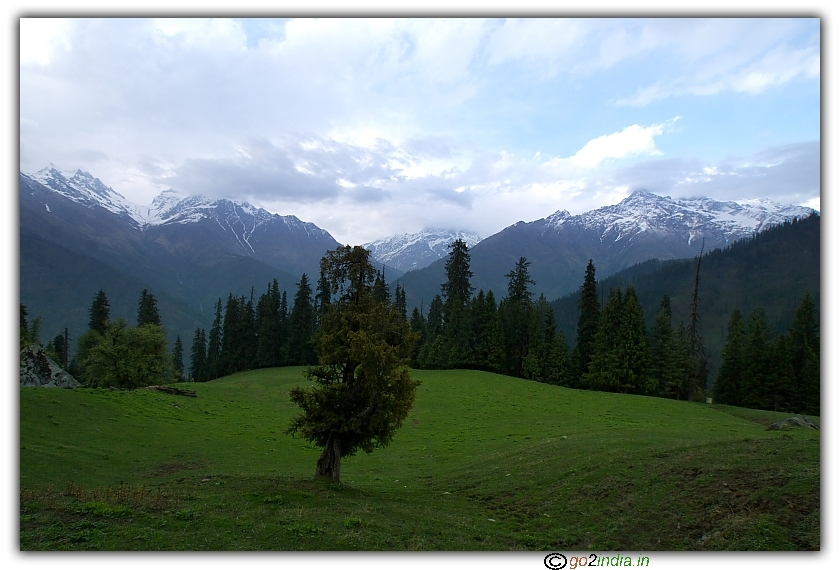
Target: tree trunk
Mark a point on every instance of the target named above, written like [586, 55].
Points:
[329, 464]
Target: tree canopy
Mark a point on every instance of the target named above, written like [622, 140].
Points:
[362, 389]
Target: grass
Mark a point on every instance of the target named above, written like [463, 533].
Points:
[483, 462]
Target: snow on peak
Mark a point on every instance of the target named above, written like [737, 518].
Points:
[169, 207]
[647, 212]
[415, 251]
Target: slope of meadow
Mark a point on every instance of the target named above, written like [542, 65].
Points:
[483, 462]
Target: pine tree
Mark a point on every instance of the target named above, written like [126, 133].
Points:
[697, 380]
[198, 357]
[664, 368]
[515, 315]
[147, 311]
[302, 326]
[363, 390]
[684, 363]
[621, 360]
[214, 345]
[100, 313]
[24, 326]
[400, 303]
[380, 288]
[434, 354]
[248, 333]
[457, 291]
[269, 344]
[323, 298]
[758, 358]
[55, 349]
[283, 329]
[178, 360]
[804, 352]
[547, 359]
[590, 316]
[729, 385]
[418, 327]
[488, 347]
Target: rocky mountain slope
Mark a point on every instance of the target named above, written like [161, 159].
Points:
[408, 252]
[641, 227]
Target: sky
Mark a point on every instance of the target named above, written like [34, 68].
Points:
[371, 127]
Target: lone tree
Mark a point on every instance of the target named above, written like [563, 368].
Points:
[362, 391]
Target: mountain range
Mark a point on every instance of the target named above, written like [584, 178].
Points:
[408, 252]
[78, 235]
[643, 226]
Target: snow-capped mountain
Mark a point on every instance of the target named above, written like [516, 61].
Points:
[641, 227]
[239, 219]
[647, 213]
[415, 251]
[77, 235]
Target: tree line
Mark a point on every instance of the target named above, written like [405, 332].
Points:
[517, 336]
[247, 335]
[772, 372]
[614, 351]
[111, 353]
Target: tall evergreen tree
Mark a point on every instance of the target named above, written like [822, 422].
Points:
[214, 344]
[457, 291]
[729, 384]
[698, 350]
[147, 311]
[269, 344]
[302, 325]
[362, 391]
[663, 351]
[418, 327]
[248, 333]
[56, 349]
[621, 362]
[178, 360]
[100, 313]
[805, 358]
[198, 357]
[488, 346]
[400, 303]
[515, 315]
[380, 288]
[435, 353]
[24, 325]
[323, 298]
[758, 359]
[685, 363]
[590, 316]
[547, 359]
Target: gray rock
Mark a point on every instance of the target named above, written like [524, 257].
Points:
[800, 421]
[37, 369]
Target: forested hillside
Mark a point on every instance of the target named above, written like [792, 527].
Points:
[773, 269]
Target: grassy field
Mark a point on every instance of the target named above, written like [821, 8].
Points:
[483, 462]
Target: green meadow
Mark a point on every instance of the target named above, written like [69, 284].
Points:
[483, 462]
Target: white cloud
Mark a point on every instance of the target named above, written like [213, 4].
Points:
[731, 55]
[41, 38]
[632, 141]
[203, 33]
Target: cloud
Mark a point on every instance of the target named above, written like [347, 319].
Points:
[633, 140]
[42, 38]
[789, 174]
[731, 55]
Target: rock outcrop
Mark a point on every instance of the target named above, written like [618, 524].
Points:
[37, 369]
[798, 421]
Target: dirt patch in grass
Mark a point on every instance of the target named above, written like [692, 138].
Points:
[171, 468]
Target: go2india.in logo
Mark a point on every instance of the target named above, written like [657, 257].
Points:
[557, 561]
